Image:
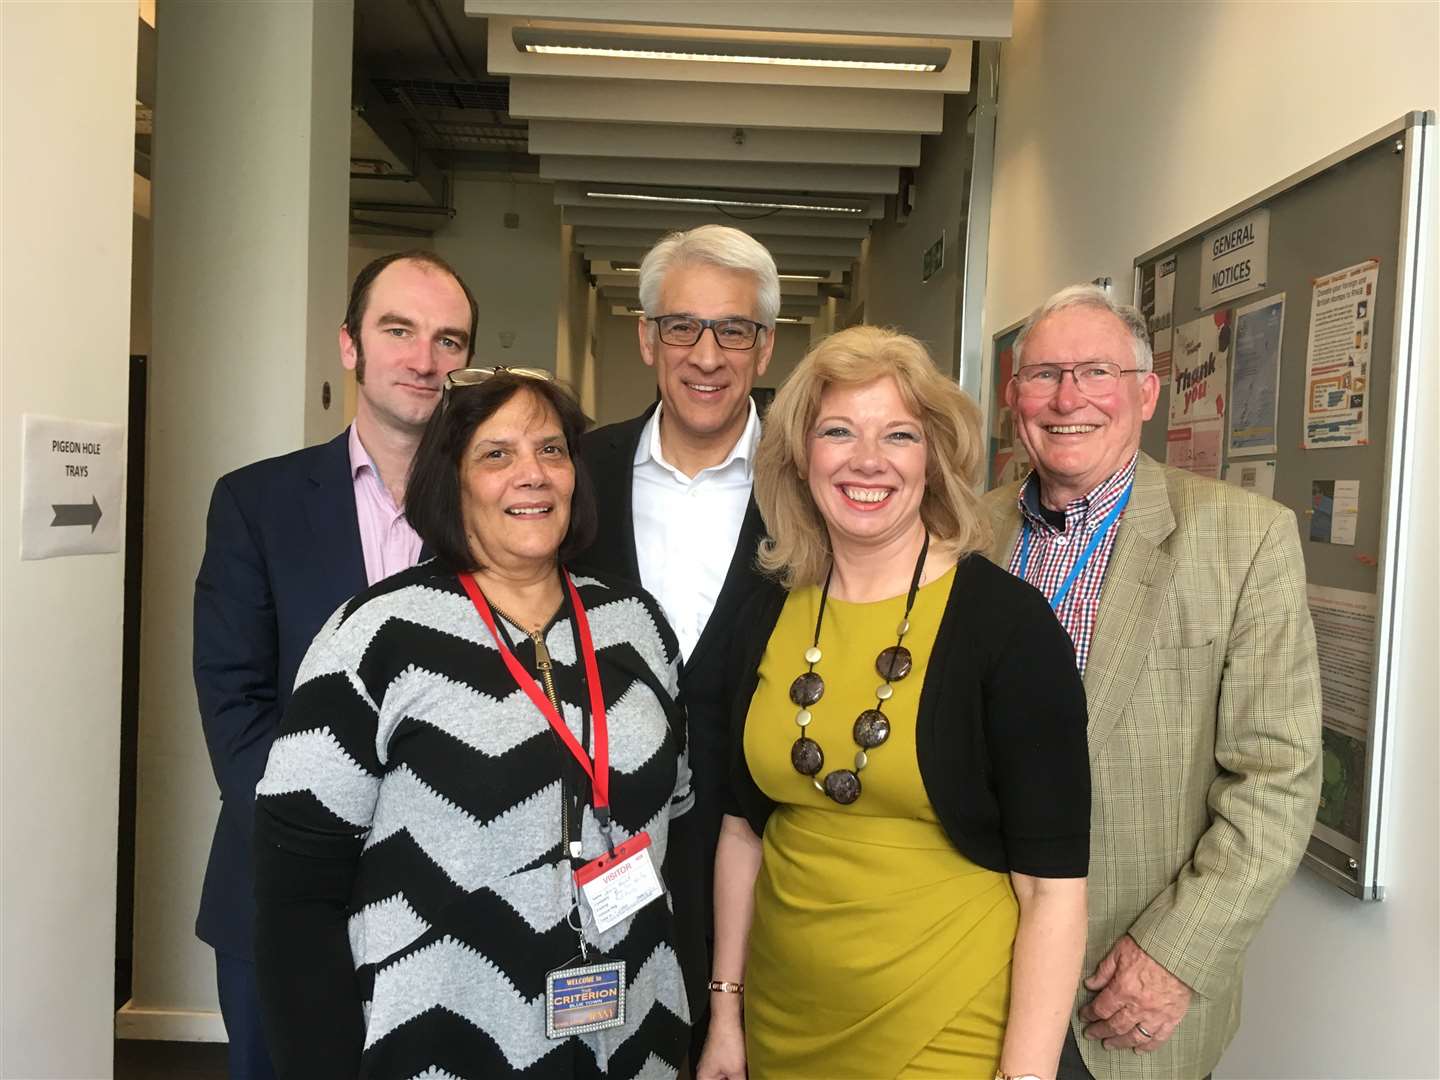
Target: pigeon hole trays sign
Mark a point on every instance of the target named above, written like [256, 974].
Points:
[72, 473]
[1235, 260]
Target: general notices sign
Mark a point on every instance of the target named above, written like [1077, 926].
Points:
[72, 474]
[1235, 260]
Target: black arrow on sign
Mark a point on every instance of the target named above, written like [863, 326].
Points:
[77, 514]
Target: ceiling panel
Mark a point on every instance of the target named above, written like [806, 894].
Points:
[871, 179]
[672, 221]
[624, 196]
[806, 107]
[722, 143]
[506, 58]
[782, 260]
[982, 19]
[787, 288]
[789, 245]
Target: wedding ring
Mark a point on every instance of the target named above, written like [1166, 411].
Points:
[1141, 1029]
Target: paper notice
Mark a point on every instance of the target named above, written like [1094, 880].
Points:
[1195, 447]
[1161, 326]
[1345, 641]
[1337, 358]
[1342, 788]
[1256, 476]
[1200, 371]
[1255, 384]
[1334, 511]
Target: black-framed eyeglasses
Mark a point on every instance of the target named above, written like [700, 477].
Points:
[1093, 378]
[685, 330]
[472, 376]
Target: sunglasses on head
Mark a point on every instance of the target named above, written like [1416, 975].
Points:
[463, 377]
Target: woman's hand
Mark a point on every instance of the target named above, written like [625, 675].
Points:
[724, 1055]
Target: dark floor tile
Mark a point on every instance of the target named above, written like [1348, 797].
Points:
[146, 1059]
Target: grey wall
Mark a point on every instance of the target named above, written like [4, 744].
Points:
[894, 294]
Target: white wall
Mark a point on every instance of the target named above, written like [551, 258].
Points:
[517, 274]
[64, 321]
[249, 257]
[1121, 125]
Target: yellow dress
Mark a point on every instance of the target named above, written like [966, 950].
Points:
[877, 950]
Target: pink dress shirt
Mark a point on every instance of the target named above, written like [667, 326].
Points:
[389, 543]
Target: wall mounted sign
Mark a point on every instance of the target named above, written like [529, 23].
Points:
[1235, 260]
[71, 476]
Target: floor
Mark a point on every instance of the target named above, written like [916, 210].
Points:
[141, 1059]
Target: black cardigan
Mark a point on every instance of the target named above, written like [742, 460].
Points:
[1001, 728]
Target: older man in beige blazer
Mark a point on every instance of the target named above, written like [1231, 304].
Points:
[1185, 598]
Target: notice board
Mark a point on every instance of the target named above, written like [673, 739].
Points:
[1285, 332]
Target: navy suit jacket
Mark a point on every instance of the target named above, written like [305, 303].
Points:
[282, 552]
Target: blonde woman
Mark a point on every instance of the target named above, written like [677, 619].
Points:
[900, 880]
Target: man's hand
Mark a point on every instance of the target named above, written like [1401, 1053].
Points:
[1133, 991]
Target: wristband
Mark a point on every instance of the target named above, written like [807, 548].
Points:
[719, 986]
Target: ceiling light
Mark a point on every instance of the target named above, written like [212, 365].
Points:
[732, 51]
[788, 318]
[625, 268]
[797, 276]
[698, 201]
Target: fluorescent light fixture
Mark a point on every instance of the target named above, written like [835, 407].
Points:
[760, 204]
[856, 57]
[788, 318]
[625, 268]
[797, 276]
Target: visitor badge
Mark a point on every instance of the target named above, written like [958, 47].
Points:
[589, 998]
[618, 884]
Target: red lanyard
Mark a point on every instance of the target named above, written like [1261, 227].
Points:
[599, 773]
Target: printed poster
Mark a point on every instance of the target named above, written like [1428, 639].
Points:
[1157, 300]
[1342, 787]
[1337, 357]
[1199, 378]
[1334, 511]
[1255, 382]
[1008, 458]
[1256, 476]
[1198, 390]
[1195, 447]
[1345, 643]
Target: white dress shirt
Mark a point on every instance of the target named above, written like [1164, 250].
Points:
[686, 527]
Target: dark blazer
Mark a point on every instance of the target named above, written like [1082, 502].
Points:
[282, 552]
[608, 454]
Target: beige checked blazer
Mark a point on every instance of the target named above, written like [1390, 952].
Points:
[1204, 700]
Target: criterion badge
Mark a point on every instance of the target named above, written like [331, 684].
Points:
[619, 883]
[589, 998]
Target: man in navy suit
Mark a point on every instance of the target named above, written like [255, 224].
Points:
[288, 540]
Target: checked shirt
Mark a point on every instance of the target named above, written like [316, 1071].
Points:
[1053, 553]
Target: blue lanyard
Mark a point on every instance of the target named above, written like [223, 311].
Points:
[1105, 526]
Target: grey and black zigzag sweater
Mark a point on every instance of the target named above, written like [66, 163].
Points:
[411, 880]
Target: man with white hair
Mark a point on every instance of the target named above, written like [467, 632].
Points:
[676, 512]
[1185, 600]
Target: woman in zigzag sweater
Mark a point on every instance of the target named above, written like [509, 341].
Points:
[461, 835]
